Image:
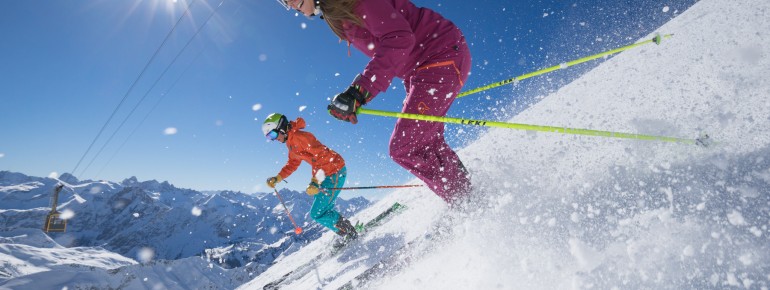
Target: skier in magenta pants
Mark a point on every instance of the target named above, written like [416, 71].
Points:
[425, 50]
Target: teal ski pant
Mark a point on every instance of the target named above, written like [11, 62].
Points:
[323, 204]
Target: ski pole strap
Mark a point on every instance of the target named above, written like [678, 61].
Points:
[657, 39]
[527, 127]
[370, 187]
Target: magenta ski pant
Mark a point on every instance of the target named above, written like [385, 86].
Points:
[419, 146]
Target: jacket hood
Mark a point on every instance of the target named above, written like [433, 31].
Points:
[297, 124]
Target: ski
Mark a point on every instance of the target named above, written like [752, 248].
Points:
[362, 229]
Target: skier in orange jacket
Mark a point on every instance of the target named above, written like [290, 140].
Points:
[326, 164]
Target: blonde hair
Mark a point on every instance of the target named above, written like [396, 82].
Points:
[336, 12]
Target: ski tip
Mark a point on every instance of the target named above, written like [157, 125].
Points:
[704, 140]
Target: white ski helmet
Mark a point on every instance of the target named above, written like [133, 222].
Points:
[275, 122]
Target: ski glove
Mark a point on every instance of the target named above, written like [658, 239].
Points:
[273, 180]
[312, 188]
[344, 105]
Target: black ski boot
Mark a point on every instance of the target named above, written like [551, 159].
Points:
[346, 230]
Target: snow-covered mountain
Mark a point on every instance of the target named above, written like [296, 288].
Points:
[150, 222]
[577, 212]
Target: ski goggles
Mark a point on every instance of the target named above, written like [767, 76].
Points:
[272, 135]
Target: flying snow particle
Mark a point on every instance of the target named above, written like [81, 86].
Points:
[432, 91]
[587, 257]
[736, 218]
[336, 74]
[136, 214]
[53, 174]
[665, 9]
[574, 217]
[196, 211]
[302, 108]
[2, 155]
[545, 15]
[145, 255]
[746, 259]
[374, 78]
[303, 25]
[95, 190]
[370, 46]
[256, 107]
[262, 57]
[688, 251]
[320, 175]
[169, 131]
[67, 214]
[219, 123]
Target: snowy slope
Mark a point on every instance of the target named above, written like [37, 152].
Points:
[29, 251]
[581, 212]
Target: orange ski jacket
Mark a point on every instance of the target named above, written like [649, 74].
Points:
[303, 146]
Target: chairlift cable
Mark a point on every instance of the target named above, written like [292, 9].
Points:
[200, 28]
[149, 113]
[125, 96]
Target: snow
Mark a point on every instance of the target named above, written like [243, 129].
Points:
[170, 131]
[28, 251]
[551, 211]
[196, 211]
[578, 212]
[150, 221]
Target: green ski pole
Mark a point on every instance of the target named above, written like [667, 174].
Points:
[657, 39]
[370, 187]
[702, 141]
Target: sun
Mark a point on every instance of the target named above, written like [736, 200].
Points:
[171, 8]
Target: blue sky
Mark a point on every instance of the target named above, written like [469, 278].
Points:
[66, 65]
